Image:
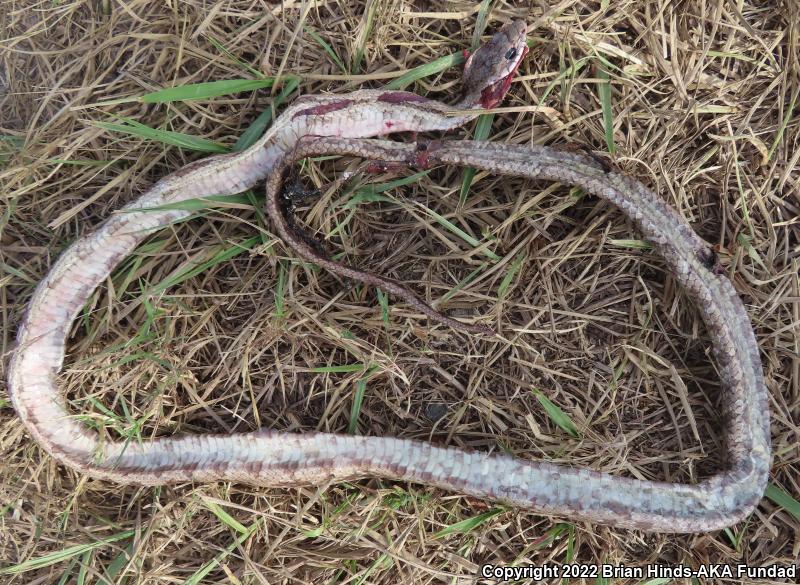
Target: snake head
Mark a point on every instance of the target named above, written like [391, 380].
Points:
[489, 70]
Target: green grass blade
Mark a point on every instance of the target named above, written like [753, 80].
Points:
[483, 128]
[224, 517]
[260, 124]
[237, 201]
[327, 48]
[604, 90]
[376, 188]
[426, 70]
[199, 577]
[16, 272]
[84, 568]
[450, 226]
[784, 500]
[558, 416]
[67, 574]
[502, 290]
[280, 291]
[787, 116]
[355, 410]
[569, 72]
[465, 281]
[632, 244]
[244, 65]
[219, 255]
[9, 146]
[116, 566]
[551, 535]
[744, 242]
[570, 544]
[371, 194]
[470, 523]
[366, 31]
[383, 301]
[63, 554]
[480, 22]
[205, 90]
[184, 141]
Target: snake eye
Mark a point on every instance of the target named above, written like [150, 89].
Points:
[511, 53]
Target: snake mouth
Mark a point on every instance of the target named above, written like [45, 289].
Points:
[494, 93]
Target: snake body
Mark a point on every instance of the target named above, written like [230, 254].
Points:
[338, 125]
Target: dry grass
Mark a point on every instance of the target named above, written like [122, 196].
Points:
[703, 106]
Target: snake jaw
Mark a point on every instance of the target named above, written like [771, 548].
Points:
[493, 94]
[489, 70]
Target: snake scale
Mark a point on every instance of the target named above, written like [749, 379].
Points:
[343, 124]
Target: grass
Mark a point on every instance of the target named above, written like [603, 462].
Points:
[178, 139]
[213, 326]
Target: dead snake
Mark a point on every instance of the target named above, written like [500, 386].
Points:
[338, 125]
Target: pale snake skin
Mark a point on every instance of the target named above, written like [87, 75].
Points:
[273, 458]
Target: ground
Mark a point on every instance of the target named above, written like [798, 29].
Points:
[214, 325]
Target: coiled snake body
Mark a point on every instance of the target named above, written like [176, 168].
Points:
[339, 125]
